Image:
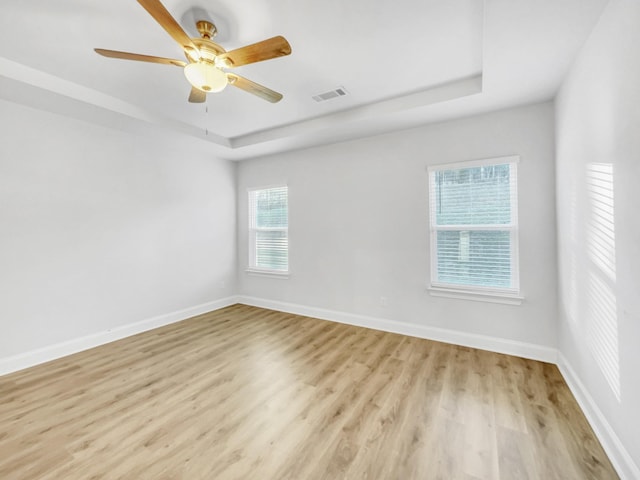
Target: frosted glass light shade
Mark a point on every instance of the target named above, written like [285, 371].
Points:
[205, 76]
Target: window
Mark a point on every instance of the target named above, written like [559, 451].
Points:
[269, 230]
[474, 228]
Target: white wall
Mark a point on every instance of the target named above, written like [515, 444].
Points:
[598, 169]
[100, 229]
[359, 225]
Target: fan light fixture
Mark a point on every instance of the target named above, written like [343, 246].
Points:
[206, 60]
[205, 76]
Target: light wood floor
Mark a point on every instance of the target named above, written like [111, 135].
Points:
[248, 393]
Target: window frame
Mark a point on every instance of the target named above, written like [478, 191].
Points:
[252, 268]
[507, 295]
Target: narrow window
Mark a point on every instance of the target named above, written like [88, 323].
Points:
[269, 230]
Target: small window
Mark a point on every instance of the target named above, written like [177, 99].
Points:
[474, 226]
[269, 230]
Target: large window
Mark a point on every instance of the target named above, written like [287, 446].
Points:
[474, 226]
[269, 230]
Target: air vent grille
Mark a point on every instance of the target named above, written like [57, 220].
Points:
[323, 97]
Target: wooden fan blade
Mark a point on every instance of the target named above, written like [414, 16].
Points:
[254, 88]
[158, 11]
[197, 96]
[139, 58]
[257, 52]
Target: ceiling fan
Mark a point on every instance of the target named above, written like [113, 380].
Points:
[207, 60]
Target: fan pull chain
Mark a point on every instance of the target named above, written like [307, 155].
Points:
[206, 110]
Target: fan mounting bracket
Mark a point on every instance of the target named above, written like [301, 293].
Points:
[206, 28]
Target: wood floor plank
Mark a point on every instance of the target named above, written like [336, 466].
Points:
[245, 392]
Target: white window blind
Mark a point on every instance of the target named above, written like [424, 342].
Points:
[269, 229]
[474, 225]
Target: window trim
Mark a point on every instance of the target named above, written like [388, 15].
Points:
[252, 269]
[510, 295]
[259, 272]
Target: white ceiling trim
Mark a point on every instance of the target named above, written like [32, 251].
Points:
[405, 64]
[44, 81]
[64, 88]
[440, 93]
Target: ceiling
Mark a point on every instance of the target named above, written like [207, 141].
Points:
[403, 63]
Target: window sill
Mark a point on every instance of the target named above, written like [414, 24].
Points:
[267, 273]
[476, 295]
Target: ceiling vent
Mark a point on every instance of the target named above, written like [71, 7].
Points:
[323, 97]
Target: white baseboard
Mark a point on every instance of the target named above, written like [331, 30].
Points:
[620, 458]
[52, 352]
[622, 461]
[484, 342]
